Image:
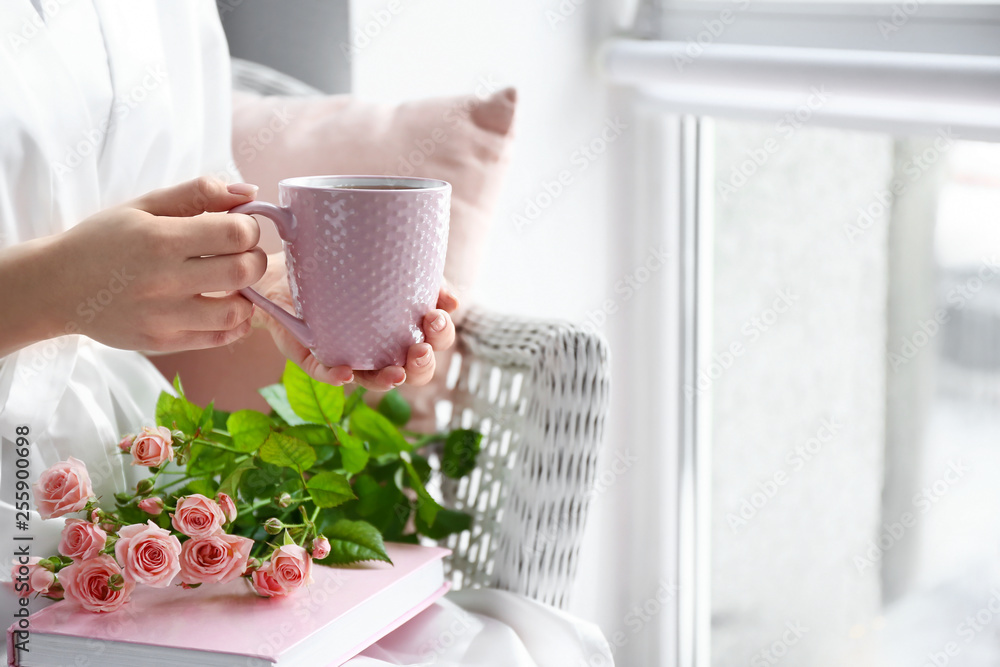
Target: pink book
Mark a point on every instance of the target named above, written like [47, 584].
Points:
[344, 610]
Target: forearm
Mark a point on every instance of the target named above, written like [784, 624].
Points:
[29, 308]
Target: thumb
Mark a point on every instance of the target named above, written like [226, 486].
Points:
[193, 197]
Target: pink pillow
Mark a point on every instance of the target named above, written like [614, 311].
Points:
[462, 140]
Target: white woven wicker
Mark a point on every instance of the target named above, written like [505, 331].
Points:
[538, 391]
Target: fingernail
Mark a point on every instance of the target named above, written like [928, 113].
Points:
[438, 323]
[350, 379]
[423, 359]
[243, 189]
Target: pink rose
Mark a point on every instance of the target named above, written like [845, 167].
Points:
[198, 516]
[321, 548]
[126, 443]
[34, 579]
[227, 505]
[152, 506]
[81, 540]
[63, 488]
[148, 554]
[215, 559]
[291, 566]
[152, 447]
[265, 584]
[87, 583]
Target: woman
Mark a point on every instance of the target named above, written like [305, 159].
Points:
[114, 162]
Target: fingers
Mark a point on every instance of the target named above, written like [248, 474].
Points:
[214, 233]
[439, 330]
[224, 272]
[420, 363]
[197, 196]
[335, 375]
[200, 340]
[217, 313]
[447, 301]
[383, 379]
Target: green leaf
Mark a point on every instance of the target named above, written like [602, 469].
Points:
[353, 401]
[177, 385]
[374, 497]
[314, 401]
[205, 422]
[427, 507]
[319, 436]
[353, 454]
[287, 539]
[446, 523]
[287, 452]
[377, 431]
[206, 460]
[460, 451]
[219, 418]
[249, 429]
[277, 398]
[354, 541]
[263, 480]
[176, 412]
[205, 487]
[232, 481]
[329, 489]
[395, 407]
[314, 434]
[422, 466]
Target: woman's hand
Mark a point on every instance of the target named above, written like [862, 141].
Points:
[438, 327]
[134, 276]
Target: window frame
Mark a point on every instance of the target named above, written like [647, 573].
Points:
[910, 26]
[956, 46]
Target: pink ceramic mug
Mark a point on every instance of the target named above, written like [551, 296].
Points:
[365, 258]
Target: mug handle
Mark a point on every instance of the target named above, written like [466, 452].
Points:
[285, 223]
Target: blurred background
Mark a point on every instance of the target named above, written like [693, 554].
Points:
[785, 217]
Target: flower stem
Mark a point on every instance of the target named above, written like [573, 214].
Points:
[202, 441]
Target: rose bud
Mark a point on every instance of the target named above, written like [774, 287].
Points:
[284, 500]
[228, 506]
[273, 526]
[291, 566]
[116, 582]
[320, 548]
[47, 564]
[265, 584]
[153, 506]
[252, 564]
[152, 447]
[126, 444]
[55, 591]
[144, 486]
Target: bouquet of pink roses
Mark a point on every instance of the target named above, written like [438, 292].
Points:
[324, 477]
